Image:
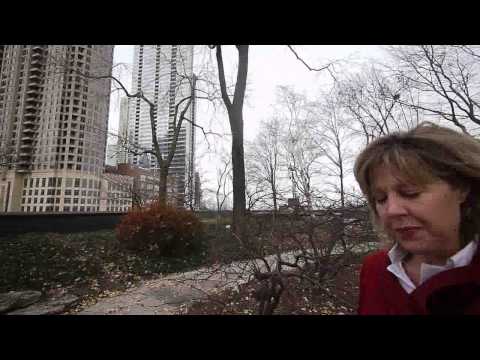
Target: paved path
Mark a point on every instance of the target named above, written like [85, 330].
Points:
[168, 295]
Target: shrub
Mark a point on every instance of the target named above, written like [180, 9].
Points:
[161, 230]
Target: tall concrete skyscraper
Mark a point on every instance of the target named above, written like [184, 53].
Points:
[163, 74]
[53, 126]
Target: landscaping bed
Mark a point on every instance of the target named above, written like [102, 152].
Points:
[93, 265]
[89, 265]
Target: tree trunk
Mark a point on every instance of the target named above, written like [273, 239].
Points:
[162, 190]
[274, 196]
[235, 116]
[238, 170]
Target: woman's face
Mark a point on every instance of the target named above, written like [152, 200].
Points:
[424, 220]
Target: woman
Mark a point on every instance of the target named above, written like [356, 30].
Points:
[422, 188]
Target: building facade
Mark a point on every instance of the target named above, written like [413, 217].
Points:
[53, 126]
[164, 74]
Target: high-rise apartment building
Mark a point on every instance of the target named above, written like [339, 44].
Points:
[53, 126]
[164, 74]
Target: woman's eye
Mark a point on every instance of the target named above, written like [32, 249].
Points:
[411, 194]
[381, 200]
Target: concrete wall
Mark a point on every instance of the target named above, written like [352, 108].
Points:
[18, 223]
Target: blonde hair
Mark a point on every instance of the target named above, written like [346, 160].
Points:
[422, 155]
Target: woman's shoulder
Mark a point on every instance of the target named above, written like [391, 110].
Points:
[375, 259]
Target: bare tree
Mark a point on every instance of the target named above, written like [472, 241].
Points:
[222, 192]
[302, 153]
[372, 99]
[234, 108]
[446, 77]
[264, 159]
[335, 139]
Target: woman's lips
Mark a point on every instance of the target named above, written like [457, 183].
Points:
[407, 232]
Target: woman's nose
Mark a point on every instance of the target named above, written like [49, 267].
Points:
[394, 206]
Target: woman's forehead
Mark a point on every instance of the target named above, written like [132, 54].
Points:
[386, 173]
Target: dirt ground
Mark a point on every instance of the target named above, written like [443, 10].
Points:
[338, 297]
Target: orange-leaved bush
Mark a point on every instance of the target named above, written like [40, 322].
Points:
[161, 230]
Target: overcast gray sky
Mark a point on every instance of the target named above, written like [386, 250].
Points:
[269, 67]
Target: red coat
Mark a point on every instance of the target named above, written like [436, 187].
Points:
[454, 291]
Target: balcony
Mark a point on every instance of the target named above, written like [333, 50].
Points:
[35, 69]
[31, 100]
[25, 147]
[28, 123]
[24, 154]
[28, 131]
[23, 162]
[27, 137]
[34, 76]
[31, 108]
[29, 115]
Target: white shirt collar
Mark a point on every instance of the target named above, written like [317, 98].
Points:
[397, 254]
